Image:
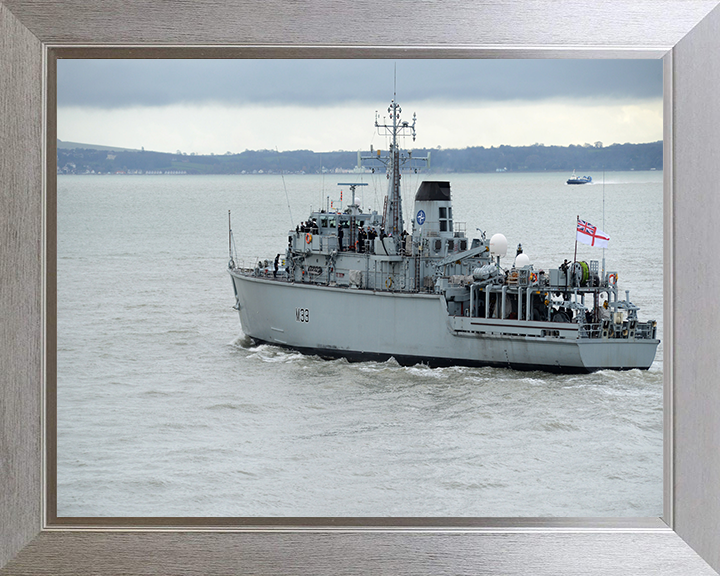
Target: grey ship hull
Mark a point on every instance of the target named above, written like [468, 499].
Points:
[415, 328]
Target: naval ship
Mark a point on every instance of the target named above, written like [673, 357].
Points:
[357, 285]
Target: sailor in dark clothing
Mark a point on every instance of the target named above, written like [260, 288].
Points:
[361, 239]
[564, 267]
[277, 258]
[369, 237]
[340, 237]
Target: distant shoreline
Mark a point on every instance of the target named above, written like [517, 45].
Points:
[584, 159]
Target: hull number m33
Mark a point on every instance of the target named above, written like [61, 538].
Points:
[302, 315]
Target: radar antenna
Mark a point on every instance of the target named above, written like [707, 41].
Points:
[393, 223]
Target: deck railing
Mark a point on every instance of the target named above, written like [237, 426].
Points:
[628, 329]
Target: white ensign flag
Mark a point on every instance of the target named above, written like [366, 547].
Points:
[589, 234]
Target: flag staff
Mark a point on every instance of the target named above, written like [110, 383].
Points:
[577, 221]
[603, 194]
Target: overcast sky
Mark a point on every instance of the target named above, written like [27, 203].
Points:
[220, 106]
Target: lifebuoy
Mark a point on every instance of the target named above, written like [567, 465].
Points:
[308, 237]
[388, 283]
[533, 277]
[612, 279]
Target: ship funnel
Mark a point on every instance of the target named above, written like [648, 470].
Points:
[498, 245]
[433, 209]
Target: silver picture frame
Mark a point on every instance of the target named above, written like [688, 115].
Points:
[684, 33]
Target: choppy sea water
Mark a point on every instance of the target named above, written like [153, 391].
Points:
[166, 408]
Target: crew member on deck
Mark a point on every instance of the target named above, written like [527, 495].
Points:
[372, 234]
[605, 312]
[361, 239]
[340, 236]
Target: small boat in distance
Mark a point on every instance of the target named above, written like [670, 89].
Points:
[579, 179]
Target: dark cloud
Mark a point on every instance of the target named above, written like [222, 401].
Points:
[125, 83]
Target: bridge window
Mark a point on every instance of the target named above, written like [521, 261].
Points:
[446, 219]
[443, 219]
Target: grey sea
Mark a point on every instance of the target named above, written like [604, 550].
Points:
[165, 408]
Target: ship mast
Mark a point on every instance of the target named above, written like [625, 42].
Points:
[394, 223]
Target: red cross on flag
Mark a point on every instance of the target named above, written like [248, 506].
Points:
[589, 234]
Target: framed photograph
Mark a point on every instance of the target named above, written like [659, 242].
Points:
[429, 423]
[35, 539]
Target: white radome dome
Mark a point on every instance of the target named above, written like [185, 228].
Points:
[522, 260]
[498, 245]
